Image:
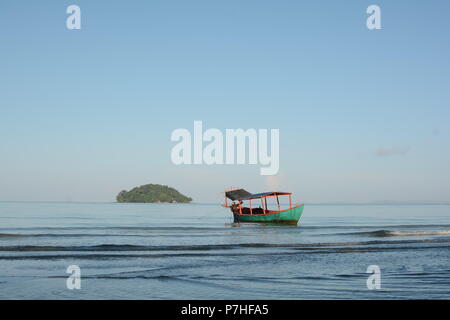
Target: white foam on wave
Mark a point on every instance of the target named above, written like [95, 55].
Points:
[419, 233]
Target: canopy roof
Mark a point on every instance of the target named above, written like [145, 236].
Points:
[237, 194]
[241, 194]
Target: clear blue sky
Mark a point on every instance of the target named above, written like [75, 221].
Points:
[363, 115]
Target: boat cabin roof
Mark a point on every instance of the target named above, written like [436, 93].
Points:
[241, 194]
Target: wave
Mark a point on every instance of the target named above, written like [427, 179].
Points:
[98, 256]
[11, 235]
[192, 231]
[396, 233]
[211, 247]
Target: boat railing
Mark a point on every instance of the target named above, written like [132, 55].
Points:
[264, 205]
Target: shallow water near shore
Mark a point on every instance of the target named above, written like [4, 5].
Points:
[195, 251]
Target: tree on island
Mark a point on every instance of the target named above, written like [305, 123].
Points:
[151, 193]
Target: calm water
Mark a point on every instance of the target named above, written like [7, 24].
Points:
[150, 251]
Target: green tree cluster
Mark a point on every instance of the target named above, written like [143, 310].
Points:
[151, 193]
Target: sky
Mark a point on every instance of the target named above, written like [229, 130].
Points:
[363, 114]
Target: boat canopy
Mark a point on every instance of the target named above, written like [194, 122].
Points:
[241, 194]
[237, 194]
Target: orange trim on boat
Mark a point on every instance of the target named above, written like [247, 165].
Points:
[268, 213]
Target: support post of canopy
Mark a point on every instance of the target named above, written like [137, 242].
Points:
[262, 205]
[290, 201]
[278, 202]
[251, 206]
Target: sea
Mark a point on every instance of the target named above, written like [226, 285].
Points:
[196, 251]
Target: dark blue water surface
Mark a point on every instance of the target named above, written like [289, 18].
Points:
[193, 251]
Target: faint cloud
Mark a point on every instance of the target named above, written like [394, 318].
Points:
[382, 152]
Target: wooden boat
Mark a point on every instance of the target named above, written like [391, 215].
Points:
[242, 213]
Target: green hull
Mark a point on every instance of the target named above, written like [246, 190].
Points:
[290, 216]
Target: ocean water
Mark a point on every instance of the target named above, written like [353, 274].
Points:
[194, 251]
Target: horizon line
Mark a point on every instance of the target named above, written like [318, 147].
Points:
[386, 202]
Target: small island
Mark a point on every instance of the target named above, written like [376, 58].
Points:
[152, 193]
